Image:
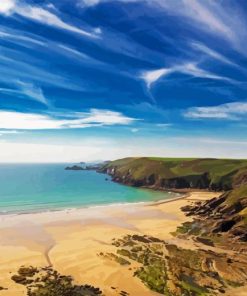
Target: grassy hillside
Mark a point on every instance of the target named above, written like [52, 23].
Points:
[217, 174]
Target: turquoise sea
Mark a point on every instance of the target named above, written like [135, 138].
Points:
[44, 187]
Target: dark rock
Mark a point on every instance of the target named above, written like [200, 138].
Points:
[224, 226]
[205, 241]
[51, 283]
[74, 168]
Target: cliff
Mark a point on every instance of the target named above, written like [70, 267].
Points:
[178, 173]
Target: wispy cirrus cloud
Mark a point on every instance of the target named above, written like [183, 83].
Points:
[212, 53]
[19, 37]
[30, 121]
[30, 40]
[72, 51]
[44, 16]
[33, 92]
[192, 69]
[14, 66]
[206, 13]
[213, 17]
[228, 111]
[26, 90]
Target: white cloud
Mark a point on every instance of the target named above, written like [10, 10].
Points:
[46, 17]
[43, 16]
[102, 117]
[192, 69]
[229, 111]
[7, 6]
[135, 130]
[152, 76]
[28, 121]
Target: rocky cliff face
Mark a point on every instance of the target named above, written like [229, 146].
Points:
[198, 181]
[191, 181]
[212, 174]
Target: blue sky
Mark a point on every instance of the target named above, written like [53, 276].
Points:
[101, 79]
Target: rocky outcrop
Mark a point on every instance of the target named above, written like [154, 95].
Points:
[74, 168]
[224, 217]
[83, 166]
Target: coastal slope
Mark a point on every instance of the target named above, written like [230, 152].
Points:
[178, 173]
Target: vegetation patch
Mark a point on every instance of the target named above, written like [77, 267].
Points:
[114, 257]
[154, 276]
[193, 289]
[188, 228]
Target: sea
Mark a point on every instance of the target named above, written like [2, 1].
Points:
[26, 188]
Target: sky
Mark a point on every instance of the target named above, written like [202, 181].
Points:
[89, 80]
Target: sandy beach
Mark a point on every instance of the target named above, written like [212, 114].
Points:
[71, 241]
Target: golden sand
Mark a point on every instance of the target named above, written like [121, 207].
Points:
[71, 241]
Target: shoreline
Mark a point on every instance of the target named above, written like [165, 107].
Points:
[5, 213]
[77, 211]
[182, 192]
[71, 240]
